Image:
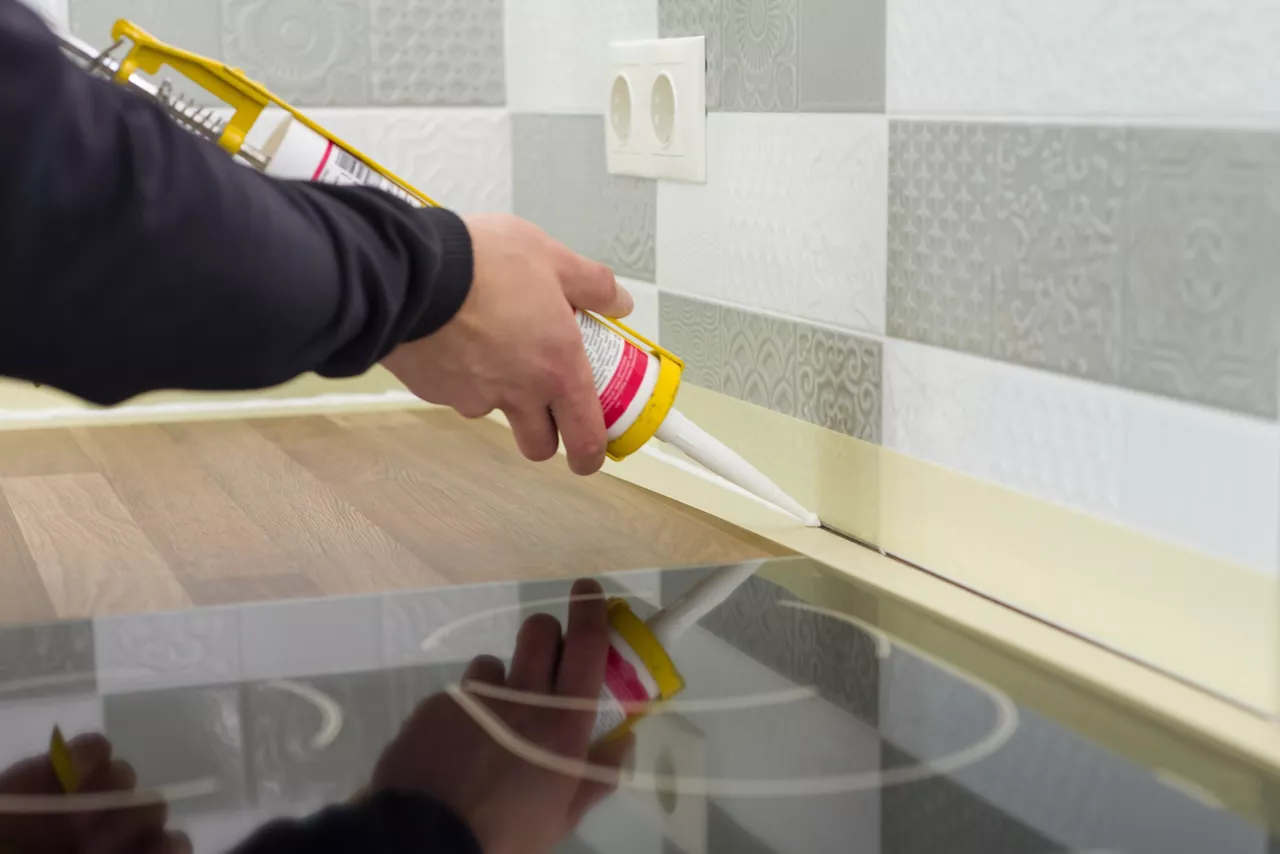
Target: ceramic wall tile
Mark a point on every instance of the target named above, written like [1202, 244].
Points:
[25, 723]
[1202, 58]
[681, 18]
[310, 54]
[183, 736]
[761, 44]
[838, 382]
[460, 158]
[47, 659]
[57, 12]
[437, 52]
[791, 220]
[317, 739]
[758, 360]
[1201, 305]
[471, 621]
[152, 651]
[1065, 58]
[942, 219]
[556, 50]
[1060, 229]
[561, 184]
[942, 57]
[691, 329]
[644, 319]
[842, 55]
[281, 640]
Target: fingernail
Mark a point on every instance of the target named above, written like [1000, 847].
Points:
[626, 302]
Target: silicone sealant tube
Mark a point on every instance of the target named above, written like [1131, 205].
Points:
[296, 152]
[640, 673]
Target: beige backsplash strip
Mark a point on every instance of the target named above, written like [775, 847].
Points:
[1207, 620]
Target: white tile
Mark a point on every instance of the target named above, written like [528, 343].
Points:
[25, 726]
[1207, 479]
[792, 219]
[1207, 58]
[1201, 478]
[154, 651]
[459, 157]
[556, 50]
[943, 56]
[645, 318]
[56, 12]
[1065, 58]
[281, 640]
[462, 621]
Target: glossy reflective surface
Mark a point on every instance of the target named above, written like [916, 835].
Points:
[817, 718]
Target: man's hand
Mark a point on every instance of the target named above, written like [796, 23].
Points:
[515, 344]
[140, 830]
[511, 805]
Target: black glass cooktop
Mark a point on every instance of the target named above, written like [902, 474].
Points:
[818, 718]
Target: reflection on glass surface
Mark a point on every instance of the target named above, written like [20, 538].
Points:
[806, 725]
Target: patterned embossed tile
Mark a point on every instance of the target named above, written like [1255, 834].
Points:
[561, 184]
[461, 158]
[1201, 304]
[942, 233]
[153, 651]
[842, 55]
[189, 736]
[943, 57]
[761, 45]
[311, 54]
[690, 328]
[44, 660]
[462, 622]
[1061, 218]
[680, 18]
[759, 356]
[319, 738]
[437, 52]
[838, 381]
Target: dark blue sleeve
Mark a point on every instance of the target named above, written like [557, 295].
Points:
[387, 823]
[135, 256]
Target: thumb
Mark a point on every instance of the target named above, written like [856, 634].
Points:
[592, 287]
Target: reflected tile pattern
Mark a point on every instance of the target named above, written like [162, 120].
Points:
[47, 660]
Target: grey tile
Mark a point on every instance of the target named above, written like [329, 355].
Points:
[839, 381]
[140, 652]
[437, 52]
[560, 182]
[318, 738]
[1201, 302]
[941, 233]
[759, 355]
[46, 660]
[842, 55]
[1061, 212]
[690, 328]
[761, 47]
[311, 54]
[183, 736]
[679, 18]
[192, 25]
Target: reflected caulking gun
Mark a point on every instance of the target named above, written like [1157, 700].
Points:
[636, 380]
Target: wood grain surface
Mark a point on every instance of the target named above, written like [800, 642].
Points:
[155, 517]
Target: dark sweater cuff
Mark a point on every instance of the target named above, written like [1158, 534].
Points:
[452, 280]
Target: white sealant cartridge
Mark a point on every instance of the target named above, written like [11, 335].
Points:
[640, 673]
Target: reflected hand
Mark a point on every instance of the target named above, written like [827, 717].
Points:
[515, 344]
[512, 806]
[139, 830]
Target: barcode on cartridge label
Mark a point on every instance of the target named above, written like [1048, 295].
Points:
[352, 170]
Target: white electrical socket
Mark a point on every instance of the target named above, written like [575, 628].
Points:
[656, 124]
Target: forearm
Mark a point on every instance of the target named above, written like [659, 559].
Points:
[388, 823]
[134, 256]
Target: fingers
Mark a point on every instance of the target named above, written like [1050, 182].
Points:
[533, 667]
[90, 754]
[608, 754]
[535, 433]
[126, 830]
[485, 668]
[592, 286]
[578, 415]
[586, 643]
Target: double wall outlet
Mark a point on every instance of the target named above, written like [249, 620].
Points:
[656, 124]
